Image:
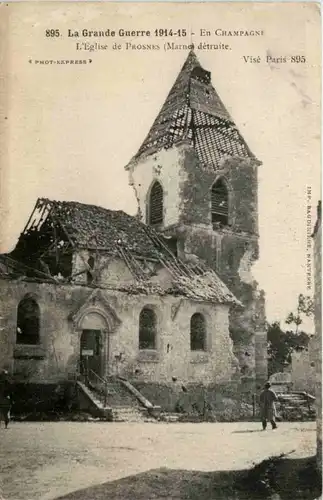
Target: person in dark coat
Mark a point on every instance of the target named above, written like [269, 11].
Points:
[267, 407]
[5, 398]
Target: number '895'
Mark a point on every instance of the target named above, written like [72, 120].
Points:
[52, 33]
[298, 59]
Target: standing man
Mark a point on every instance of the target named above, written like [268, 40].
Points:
[267, 407]
[5, 398]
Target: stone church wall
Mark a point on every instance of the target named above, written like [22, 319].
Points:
[231, 251]
[58, 354]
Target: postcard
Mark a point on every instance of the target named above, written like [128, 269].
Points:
[160, 266]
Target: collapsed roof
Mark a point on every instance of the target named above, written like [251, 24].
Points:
[56, 229]
[194, 112]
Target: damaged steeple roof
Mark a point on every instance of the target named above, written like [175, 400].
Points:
[194, 112]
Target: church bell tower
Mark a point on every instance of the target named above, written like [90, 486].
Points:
[195, 180]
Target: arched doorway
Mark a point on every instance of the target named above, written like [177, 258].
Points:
[93, 358]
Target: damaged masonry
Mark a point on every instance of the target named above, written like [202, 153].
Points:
[165, 296]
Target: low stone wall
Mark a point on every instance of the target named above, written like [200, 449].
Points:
[303, 371]
[231, 402]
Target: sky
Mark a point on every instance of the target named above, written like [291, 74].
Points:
[69, 130]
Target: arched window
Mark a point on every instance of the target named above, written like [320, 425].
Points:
[156, 207]
[220, 203]
[28, 321]
[147, 329]
[198, 332]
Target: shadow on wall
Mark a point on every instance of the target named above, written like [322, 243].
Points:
[279, 478]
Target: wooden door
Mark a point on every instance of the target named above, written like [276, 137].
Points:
[91, 353]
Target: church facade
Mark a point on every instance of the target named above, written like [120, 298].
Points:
[89, 290]
[165, 296]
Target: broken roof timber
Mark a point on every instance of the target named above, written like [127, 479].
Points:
[121, 235]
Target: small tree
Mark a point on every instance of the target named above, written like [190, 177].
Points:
[305, 307]
[282, 343]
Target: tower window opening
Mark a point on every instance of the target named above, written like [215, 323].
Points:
[201, 75]
[220, 203]
[156, 205]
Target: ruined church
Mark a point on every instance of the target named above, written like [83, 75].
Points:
[163, 296]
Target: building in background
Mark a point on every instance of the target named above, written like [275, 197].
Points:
[303, 369]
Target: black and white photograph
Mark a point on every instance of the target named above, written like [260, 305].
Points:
[160, 251]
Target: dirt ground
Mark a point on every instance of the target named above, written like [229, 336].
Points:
[44, 461]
